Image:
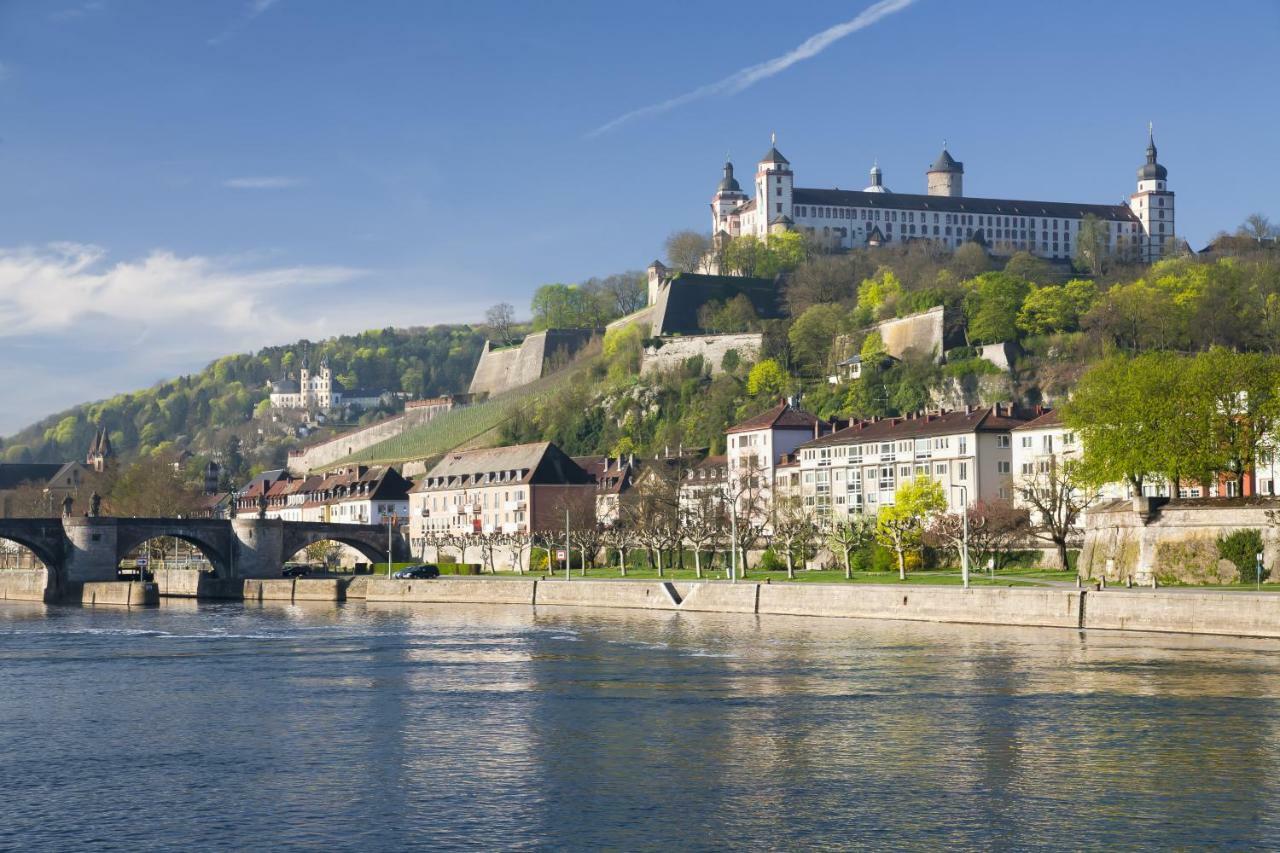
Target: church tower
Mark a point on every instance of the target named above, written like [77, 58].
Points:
[324, 386]
[1153, 205]
[304, 383]
[100, 453]
[728, 197]
[774, 180]
[946, 175]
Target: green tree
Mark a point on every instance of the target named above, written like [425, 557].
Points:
[992, 307]
[767, 378]
[900, 526]
[812, 334]
[877, 297]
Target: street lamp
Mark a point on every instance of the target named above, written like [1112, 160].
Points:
[390, 518]
[964, 534]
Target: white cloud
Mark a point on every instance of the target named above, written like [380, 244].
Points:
[265, 182]
[71, 13]
[64, 287]
[753, 74]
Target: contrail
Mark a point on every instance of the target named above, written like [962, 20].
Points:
[753, 74]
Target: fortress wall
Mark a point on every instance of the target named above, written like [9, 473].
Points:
[675, 350]
[340, 446]
[513, 367]
[923, 332]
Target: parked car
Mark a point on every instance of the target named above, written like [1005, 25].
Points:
[295, 571]
[418, 573]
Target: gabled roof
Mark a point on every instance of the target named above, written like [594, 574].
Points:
[14, 474]
[538, 463]
[931, 424]
[781, 416]
[1050, 419]
[773, 155]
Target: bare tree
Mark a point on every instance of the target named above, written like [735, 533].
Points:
[629, 291]
[687, 250]
[1258, 227]
[621, 536]
[515, 545]
[793, 527]
[586, 538]
[1057, 495]
[500, 319]
[851, 535]
[704, 525]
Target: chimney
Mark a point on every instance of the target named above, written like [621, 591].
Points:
[968, 410]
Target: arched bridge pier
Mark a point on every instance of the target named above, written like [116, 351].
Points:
[79, 550]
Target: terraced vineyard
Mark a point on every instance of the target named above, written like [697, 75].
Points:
[461, 425]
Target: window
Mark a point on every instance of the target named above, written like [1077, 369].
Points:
[940, 469]
[1002, 441]
[1026, 441]
[964, 445]
[1002, 467]
[964, 471]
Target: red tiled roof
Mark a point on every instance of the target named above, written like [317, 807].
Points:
[1051, 418]
[944, 423]
[781, 416]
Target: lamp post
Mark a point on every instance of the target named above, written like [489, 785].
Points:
[964, 535]
[733, 542]
[568, 555]
[390, 517]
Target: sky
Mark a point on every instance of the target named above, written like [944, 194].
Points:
[182, 179]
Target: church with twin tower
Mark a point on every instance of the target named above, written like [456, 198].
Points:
[1141, 229]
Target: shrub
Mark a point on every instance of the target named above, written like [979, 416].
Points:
[460, 569]
[771, 562]
[1241, 548]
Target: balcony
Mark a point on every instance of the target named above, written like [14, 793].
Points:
[513, 506]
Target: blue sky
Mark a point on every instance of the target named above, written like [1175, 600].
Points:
[182, 179]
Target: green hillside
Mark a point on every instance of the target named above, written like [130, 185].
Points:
[225, 404]
[469, 423]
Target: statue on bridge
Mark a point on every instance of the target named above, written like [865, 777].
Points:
[262, 505]
[66, 506]
[95, 505]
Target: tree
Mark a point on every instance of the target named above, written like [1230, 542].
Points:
[1258, 227]
[900, 526]
[970, 260]
[736, 314]
[812, 334]
[704, 524]
[629, 292]
[851, 535]
[1057, 495]
[687, 251]
[992, 307]
[793, 529]
[1091, 245]
[500, 318]
[1056, 308]
[877, 297]
[824, 279]
[621, 536]
[151, 488]
[1111, 410]
[768, 379]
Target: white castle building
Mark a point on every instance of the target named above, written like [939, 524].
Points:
[877, 215]
[321, 392]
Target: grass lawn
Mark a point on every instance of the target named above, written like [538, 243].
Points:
[1009, 578]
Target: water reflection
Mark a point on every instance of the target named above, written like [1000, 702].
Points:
[387, 726]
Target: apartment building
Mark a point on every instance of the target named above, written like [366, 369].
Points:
[858, 469]
[756, 446]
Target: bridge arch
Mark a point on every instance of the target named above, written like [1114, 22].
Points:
[295, 542]
[215, 548]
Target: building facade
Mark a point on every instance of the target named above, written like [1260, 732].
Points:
[943, 214]
[968, 452]
[754, 449]
[320, 391]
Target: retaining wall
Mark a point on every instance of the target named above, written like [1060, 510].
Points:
[1048, 607]
[119, 594]
[453, 590]
[25, 585]
[1243, 614]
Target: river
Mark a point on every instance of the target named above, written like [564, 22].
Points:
[353, 727]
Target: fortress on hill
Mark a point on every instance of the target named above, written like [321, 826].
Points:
[1140, 228]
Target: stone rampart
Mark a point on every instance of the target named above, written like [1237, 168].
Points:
[924, 332]
[512, 367]
[674, 350]
[1172, 542]
[330, 450]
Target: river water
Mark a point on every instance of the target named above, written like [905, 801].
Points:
[230, 727]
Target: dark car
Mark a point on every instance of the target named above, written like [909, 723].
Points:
[295, 571]
[418, 573]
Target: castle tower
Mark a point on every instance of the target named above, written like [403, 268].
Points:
[729, 196]
[100, 453]
[1153, 205]
[877, 180]
[946, 175]
[304, 383]
[774, 181]
[324, 386]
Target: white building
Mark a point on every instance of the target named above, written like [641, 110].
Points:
[754, 449]
[943, 214]
[858, 469]
[321, 392]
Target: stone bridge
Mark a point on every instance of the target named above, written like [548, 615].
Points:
[87, 549]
